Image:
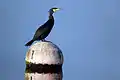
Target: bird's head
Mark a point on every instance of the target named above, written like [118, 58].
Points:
[53, 10]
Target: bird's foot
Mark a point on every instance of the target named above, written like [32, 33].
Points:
[43, 40]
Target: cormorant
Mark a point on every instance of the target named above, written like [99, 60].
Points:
[43, 31]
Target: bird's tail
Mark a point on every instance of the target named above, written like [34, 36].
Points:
[29, 43]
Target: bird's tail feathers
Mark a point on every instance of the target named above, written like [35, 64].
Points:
[29, 43]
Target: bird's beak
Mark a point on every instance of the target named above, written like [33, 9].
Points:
[56, 9]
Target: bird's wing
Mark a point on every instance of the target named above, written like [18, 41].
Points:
[41, 30]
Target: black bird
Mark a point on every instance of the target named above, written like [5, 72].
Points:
[43, 31]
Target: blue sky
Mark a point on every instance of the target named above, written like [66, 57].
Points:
[87, 32]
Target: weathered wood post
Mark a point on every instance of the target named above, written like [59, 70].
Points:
[44, 62]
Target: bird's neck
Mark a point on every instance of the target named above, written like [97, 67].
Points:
[51, 16]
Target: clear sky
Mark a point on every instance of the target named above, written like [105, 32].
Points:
[87, 32]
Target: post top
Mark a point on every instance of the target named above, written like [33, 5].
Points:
[44, 53]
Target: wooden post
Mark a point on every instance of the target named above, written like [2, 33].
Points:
[44, 62]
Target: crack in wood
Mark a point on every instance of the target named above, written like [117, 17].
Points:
[32, 54]
[31, 78]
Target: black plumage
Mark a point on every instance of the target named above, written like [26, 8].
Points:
[43, 31]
